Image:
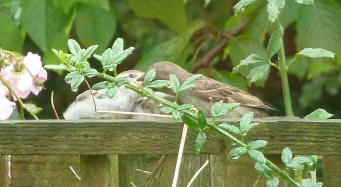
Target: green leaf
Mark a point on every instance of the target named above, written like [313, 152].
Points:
[114, 56]
[313, 165]
[158, 84]
[229, 128]
[172, 13]
[75, 79]
[95, 25]
[275, 41]
[257, 156]
[219, 109]
[84, 54]
[149, 77]
[254, 68]
[316, 53]
[229, 107]
[260, 72]
[43, 21]
[322, 19]
[250, 60]
[185, 107]
[263, 169]
[306, 2]
[73, 46]
[299, 162]
[309, 183]
[118, 52]
[176, 115]
[187, 83]
[111, 91]
[101, 85]
[319, 114]
[241, 5]
[32, 108]
[274, 8]
[199, 142]
[237, 152]
[273, 182]
[202, 119]
[256, 144]
[10, 36]
[90, 73]
[167, 110]
[190, 121]
[174, 81]
[286, 155]
[245, 122]
[56, 67]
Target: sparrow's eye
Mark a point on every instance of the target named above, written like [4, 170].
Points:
[131, 75]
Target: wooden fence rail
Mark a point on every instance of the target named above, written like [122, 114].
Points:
[120, 152]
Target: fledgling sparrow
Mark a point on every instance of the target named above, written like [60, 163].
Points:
[209, 91]
[124, 101]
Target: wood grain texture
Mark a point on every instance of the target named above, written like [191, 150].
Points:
[44, 170]
[331, 170]
[4, 171]
[322, 137]
[99, 170]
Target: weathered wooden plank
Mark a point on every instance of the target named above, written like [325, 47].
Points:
[322, 137]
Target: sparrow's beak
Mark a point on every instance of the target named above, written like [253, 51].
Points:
[141, 77]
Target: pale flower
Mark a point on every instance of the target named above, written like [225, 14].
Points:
[33, 63]
[21, 82]
[25, 79]
[42, 76]
[3, 90]
[6, 106]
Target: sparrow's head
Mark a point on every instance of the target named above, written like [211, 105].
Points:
[164, 69]
[134, 76]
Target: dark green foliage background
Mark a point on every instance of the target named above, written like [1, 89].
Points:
[173, 30]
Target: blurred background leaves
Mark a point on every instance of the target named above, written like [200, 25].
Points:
[184, 32]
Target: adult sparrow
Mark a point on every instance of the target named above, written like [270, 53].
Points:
[209, 91]
[124, 101]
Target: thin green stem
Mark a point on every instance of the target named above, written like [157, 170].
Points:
[283, 69]
[21, 103]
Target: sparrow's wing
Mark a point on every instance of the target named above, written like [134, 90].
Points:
[214, 91]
